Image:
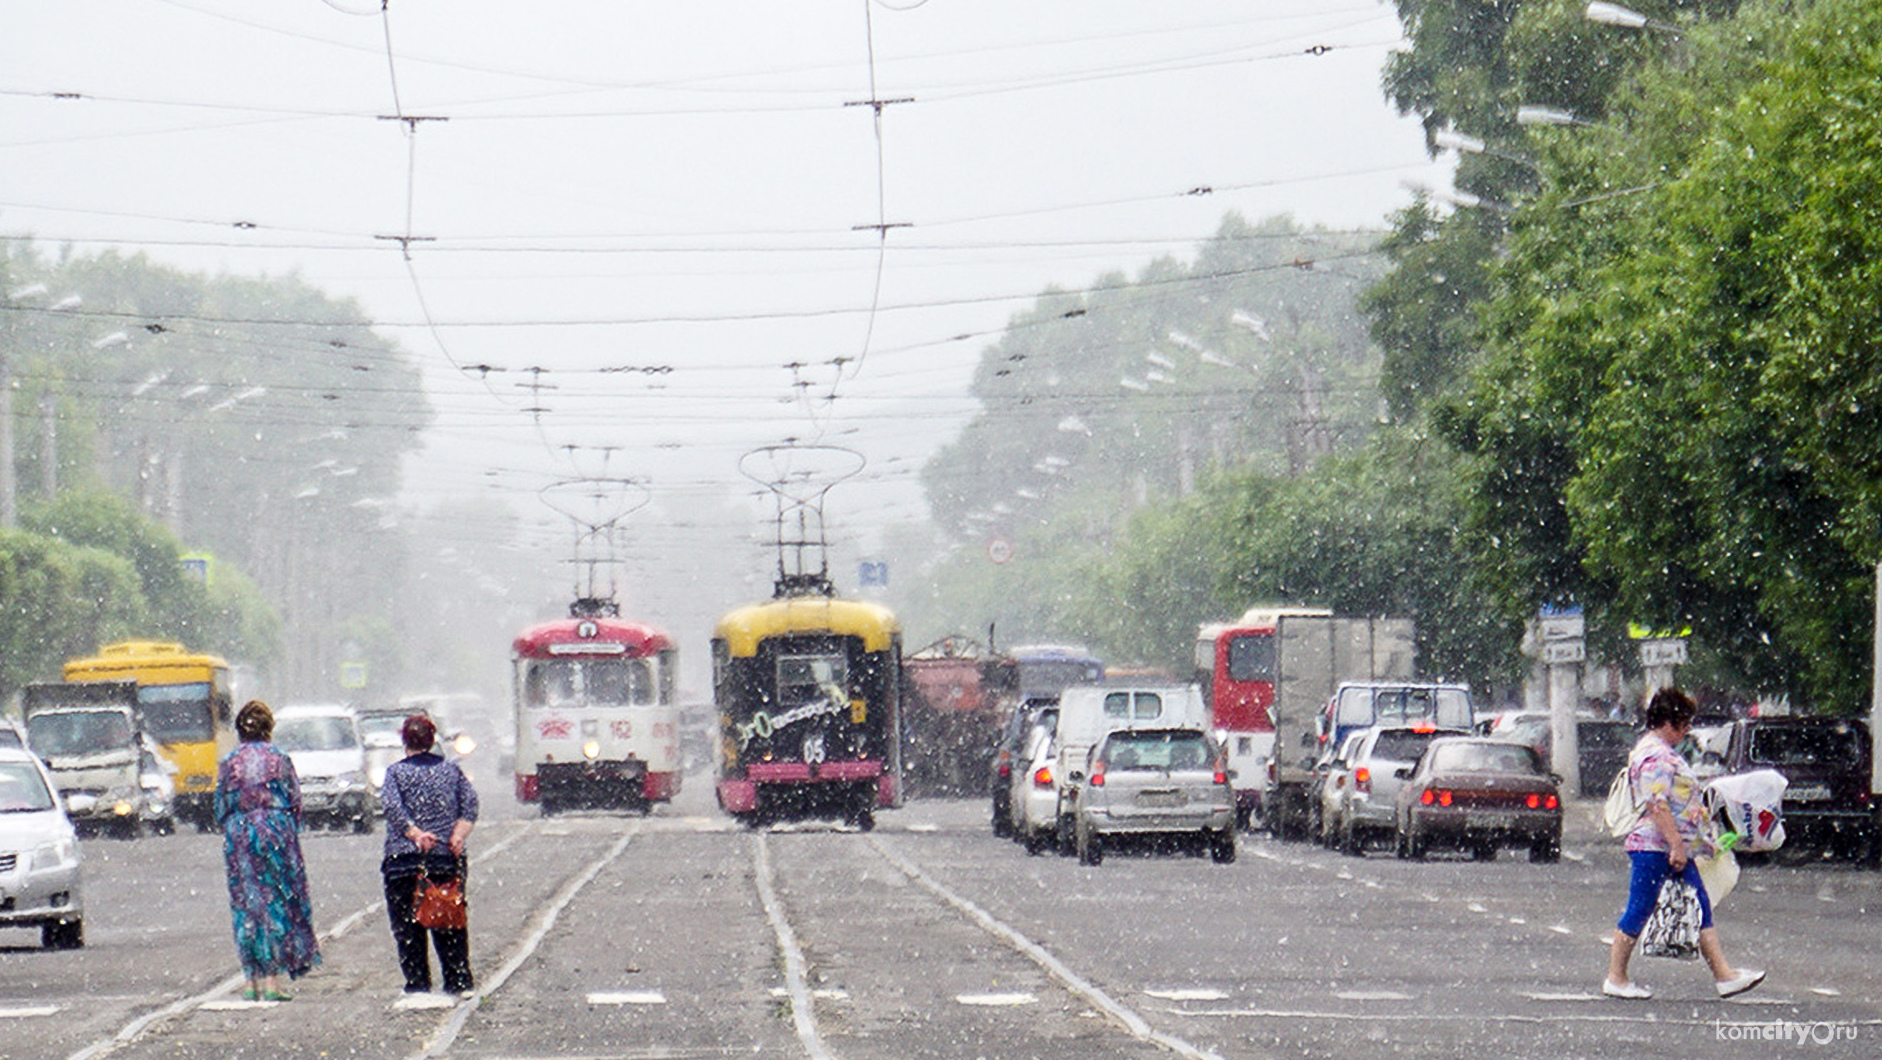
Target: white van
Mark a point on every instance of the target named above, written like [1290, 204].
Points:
[1089, 713]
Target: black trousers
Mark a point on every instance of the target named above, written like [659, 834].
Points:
[453, 944]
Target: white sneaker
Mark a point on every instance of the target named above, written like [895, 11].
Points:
[1740, 983]
[1629, 990]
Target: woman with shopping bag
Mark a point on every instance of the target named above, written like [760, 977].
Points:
[430, 810]
[1672, 829]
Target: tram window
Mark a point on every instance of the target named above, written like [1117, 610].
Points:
[550, 684]
[805, 678]
[598, 682]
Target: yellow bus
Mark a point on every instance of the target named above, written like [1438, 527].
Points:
[183, 704]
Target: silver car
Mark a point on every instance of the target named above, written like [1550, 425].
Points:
[1170, 783]
[1367, 798]
[39, 861]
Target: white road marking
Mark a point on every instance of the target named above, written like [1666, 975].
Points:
[1518, 920]
[995, 1000]
[235, 1005]
[1197, 994]
[923, 828]
[423, 1003]
[1826, 991]
[1372, 995]
[27, 1012]
[1561, 929]
[628, 997]
[1476, 907]
[803, 1011]
[1092, 995]
[820, 995]
[1562, 997]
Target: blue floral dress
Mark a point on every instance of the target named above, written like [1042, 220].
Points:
[258, 805]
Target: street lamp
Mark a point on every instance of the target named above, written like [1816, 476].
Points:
[1470, 145]
[1616, 15]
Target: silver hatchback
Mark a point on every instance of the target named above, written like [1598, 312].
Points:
[39, 860]
[1170, 783]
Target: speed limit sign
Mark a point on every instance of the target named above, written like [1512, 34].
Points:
[999, 550]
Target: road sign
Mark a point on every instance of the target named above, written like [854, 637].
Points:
[1563, 652]
[1666, 651]
[1561, 627]
[999, 550]
[872, 572]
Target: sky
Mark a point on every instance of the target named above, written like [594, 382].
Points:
[608, 228]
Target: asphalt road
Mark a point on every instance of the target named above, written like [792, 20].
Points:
[683, 935]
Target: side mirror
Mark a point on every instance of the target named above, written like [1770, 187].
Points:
[1712, 758]
[81, 804]
[1557, 778]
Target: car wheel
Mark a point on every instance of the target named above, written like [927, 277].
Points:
[1035, 840]
[1090, 849]
[1416, 845]
[362, 824]
[1349, 840]
[1483, 852]
[1222, 847]
[1066, 837]
[62, 934]
[1546, 850]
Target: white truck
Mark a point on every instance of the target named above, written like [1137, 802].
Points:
[1089, 713]
[110, 775]
[1314, 655]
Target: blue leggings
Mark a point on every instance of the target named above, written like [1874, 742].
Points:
[1651, 868]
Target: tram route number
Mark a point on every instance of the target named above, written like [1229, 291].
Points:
[762, 725]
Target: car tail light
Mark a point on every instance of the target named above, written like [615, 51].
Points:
[1550, 802]
[1427, 797]
[1534, 801]
[1439, 796]
[1042, 777]
[1221, 772]
[1362, 779]
[1444, 797]
[1006, 770]
[1424, 726]
[1097, 774]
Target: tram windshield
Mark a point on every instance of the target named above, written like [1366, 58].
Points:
[808, 678]
[590, 683]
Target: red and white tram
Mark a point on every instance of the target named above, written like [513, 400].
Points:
[597, 720]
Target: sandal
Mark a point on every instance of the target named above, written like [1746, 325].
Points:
[251, 995]
[275, 995]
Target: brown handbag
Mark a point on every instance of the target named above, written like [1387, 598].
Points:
[439, 905]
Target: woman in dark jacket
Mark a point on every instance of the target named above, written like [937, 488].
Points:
[430, 809]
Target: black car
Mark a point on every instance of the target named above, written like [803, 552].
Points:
[1826, 760]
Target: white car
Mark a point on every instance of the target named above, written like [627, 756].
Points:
[40, 874]
[1035, 794]
[330, 759]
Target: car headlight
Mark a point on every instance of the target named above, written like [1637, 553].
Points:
[60, 853]
[350, 780]
[463, 745]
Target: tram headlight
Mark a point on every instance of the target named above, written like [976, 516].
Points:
[463, 745]
[591, 749]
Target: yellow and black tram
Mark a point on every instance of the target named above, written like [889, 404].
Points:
[809, 718]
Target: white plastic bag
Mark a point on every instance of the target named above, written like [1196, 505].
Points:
[1753, 804]
[1720, 874]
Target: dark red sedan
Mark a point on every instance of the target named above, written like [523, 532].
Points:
[1479, 795]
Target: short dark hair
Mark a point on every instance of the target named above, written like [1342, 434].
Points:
[419, 733]
[1670, 706]
[254, 723]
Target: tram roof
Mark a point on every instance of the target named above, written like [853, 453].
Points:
[590, 636]
[743, 628]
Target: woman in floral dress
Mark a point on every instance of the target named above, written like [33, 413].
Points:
[258, 805]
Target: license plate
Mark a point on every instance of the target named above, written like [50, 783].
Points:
[1483, 820]
[1160, 799]
[1809, 793]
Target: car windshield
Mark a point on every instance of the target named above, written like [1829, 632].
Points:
[1158, 751]
[1401, 745]
[327, 733]
[79, 732]
[1805, 745]
[381, 730]
[1482, 758]
[22, 789]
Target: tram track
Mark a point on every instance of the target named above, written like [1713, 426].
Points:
[799, 967]
[143, 1026]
